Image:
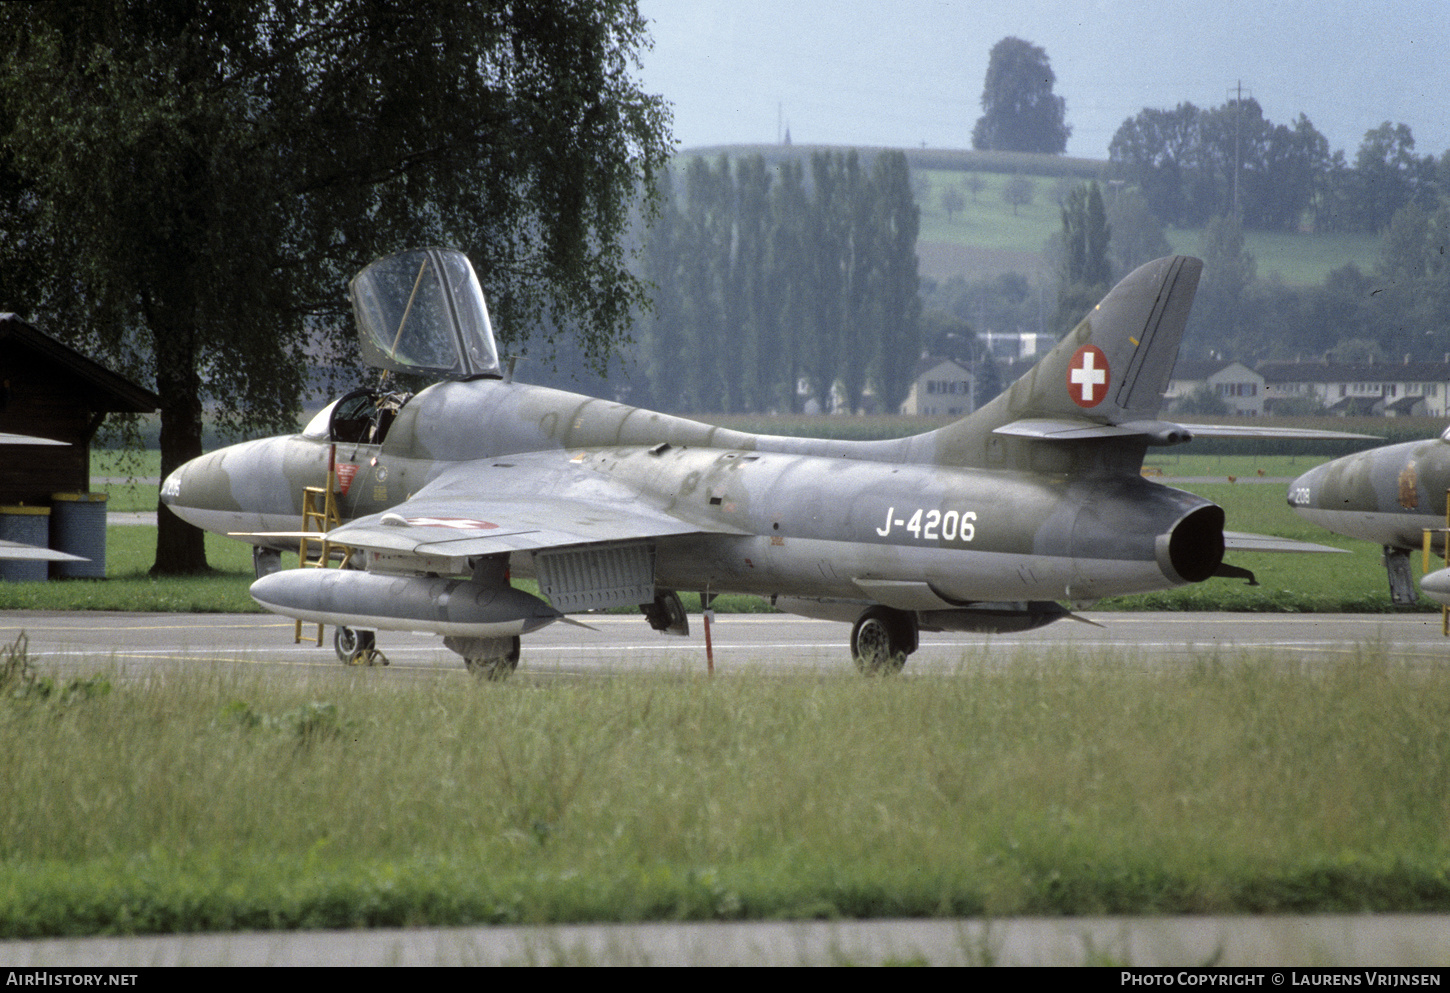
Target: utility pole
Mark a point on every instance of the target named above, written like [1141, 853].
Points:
[1238, 129]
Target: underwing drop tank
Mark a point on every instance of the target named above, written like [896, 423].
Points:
[460, 608]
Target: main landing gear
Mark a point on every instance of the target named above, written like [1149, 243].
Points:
[487, 658]
[356, 647]
[882, 639]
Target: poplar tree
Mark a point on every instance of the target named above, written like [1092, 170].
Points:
[1086, 274]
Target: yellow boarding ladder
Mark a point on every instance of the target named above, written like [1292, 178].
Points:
[319, 514]
[1425, 559]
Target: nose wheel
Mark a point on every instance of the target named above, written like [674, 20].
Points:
[356, 647]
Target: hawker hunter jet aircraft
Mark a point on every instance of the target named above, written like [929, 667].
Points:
[1391, 496]
[988, 524]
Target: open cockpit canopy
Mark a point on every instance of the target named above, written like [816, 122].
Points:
[422, 311]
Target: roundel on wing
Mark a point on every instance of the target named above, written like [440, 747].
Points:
[1088, 376]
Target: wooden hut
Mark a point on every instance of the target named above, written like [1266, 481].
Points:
[49, 390]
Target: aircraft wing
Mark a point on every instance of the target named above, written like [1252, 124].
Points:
[14, 550]
[6, 438]
[1240, 541]
[515, 504]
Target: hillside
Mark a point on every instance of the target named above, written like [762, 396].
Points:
[987, 236]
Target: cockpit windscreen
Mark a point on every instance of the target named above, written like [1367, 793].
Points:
[423, 312]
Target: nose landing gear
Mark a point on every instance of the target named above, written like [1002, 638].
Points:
[355, 647]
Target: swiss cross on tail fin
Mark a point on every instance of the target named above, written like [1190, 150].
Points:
[1088, 376]
[1118, 360]
[1103, 381]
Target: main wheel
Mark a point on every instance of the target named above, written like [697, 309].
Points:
[881, 640]
[352, 646]
[496, 666]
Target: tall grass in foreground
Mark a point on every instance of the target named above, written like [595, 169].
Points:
[219, 800]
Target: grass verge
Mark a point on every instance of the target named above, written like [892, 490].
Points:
[221, 800]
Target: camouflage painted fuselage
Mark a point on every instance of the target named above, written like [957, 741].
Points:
[1387, 495]
[776, 516]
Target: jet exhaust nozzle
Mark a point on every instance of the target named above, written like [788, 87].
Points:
[1193, 549]
[375, 601]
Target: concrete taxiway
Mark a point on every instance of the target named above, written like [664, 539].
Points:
[1358, 941]
[615, 644]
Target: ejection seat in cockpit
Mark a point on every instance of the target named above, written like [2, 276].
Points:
[363, 416]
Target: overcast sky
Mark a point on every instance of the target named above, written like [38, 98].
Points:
[910, 72]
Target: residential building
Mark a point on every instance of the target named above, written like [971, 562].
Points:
[1241, 389]
[1375, 389]
[942, 388]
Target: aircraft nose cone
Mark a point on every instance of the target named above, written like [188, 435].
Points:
[171, 486]
[199, 488]
[1436, 586]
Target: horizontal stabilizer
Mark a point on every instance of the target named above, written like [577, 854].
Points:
[1288, 434]
[1071, 429]
[1162, 432]
[1239, 541]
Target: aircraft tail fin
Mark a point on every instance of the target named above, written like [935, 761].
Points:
[1106, 378]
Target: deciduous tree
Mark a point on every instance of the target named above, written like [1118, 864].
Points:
[196, 181]
[1020, 113]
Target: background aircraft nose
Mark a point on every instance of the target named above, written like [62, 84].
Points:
[1436, 586]
[171, 485]
[1304, 491]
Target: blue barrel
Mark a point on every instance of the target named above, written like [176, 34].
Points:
[29, 526]
[78, 526]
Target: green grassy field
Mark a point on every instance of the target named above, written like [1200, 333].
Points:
[219, 800]
[1295, 259]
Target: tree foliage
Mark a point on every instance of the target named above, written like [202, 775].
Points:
[1193, 164]
[1221, 322]
[1388, 176]
[1085, 274]
[1398, 312]
[190, 185]
[1137, 233]
[1018, 192]
[1020, 113]
[766, 278]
